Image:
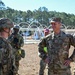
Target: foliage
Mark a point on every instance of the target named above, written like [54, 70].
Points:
[42, 15]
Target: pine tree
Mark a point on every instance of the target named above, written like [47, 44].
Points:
[2, 5]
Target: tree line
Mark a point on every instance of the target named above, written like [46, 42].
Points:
[42, 15]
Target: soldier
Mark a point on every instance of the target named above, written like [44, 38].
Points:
[17, 42]
[58, 44]
[6, 52]
[42, 62]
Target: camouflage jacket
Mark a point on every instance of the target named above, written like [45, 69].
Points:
[6, 55]
[16, 41]
[57, 45]
[41, 46]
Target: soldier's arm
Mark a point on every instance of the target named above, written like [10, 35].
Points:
[72, 42]
[42, 50]
[12, 56]
[21, 43]
[72, 56]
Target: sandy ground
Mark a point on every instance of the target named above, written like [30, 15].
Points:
[30, 64]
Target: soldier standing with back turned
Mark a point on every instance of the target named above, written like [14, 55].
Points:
[6, 52]
[58, 44]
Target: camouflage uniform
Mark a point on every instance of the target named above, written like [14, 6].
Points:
[6, 51]
[42, 67]
[42, 62]
[17, 42]
[58, 51]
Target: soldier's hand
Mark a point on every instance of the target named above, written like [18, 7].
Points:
[67, 62]
[46, 60]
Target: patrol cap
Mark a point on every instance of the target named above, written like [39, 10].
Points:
[55, 19]
[6, 23]
[46, 30]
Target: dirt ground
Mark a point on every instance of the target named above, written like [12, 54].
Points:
[30, 64]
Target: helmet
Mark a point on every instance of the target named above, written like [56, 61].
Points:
[16, 27]
[6, 23]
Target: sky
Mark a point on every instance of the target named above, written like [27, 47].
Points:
[67, 6]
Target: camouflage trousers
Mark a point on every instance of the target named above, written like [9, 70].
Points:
[5, 70]
[3, 73]
[17, 65]
[59, 72]
[42, 67]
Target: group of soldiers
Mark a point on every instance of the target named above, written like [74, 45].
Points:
[53, 49]
[10, 47]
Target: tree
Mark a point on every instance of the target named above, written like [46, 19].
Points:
[2, 5]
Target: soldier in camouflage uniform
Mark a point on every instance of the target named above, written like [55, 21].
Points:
[6, 52]
[17, 42]
[42, 62]
[58, 44]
